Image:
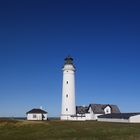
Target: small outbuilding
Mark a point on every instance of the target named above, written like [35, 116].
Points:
[37, 114]
[120, 117]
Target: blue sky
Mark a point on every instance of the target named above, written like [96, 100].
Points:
[103, 37]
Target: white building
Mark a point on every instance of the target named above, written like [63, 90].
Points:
[68, 90]
[120, 117]
[96, 110]
[36, 114]
[92, 111]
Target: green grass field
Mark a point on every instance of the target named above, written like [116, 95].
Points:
[62, 130]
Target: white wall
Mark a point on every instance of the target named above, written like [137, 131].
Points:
[135, 119]
[88, 116]
[75, 118]
[113, 120]
[91, 115]
[79, 118]
[65, 117]
[38, 116]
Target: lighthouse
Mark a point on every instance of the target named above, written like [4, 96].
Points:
[68, 90]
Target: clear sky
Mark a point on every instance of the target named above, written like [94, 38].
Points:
[102, 36]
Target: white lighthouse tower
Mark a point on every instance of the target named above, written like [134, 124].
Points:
[68, 90]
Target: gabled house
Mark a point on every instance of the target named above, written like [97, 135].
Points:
[36, 114]
[95, 110]
[92, 111]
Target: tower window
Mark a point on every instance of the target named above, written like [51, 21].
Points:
[66, 109]
[67, 82]
[67, 95]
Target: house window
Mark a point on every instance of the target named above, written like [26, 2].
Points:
[66, 109]
[34, 115]
[66, 95]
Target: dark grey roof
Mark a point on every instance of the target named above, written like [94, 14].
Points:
[81, 109]
[36, 110]
[99, 108]
[119, 115]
